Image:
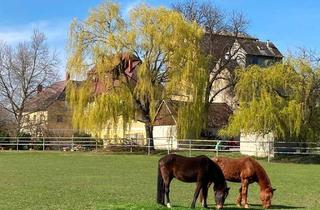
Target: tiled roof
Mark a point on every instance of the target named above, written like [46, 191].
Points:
[43, 99]
[259, 48]
[252, 46]
[127, 65]
[218, 116]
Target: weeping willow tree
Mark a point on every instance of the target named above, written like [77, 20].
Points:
[282, 99]
[192, 76]
[167, 48]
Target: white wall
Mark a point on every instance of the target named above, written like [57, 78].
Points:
[257, 145]
[165, 137]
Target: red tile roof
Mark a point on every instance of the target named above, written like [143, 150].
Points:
[56, 91]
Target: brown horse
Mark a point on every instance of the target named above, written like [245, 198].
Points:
[201, 170]
[246, 170]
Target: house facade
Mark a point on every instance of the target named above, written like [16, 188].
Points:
[231, 53]
[47, 113]
[128, 66]
[241, 52]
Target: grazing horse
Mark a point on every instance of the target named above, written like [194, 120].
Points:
[201, 170]
[246, 170]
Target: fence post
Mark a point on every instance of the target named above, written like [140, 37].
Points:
[217, 148]
[72, 143]
[268, 150]
[148, 139]
[17, 143]
[96, 145]
[189, 147]
[43, 144]
[131, 144]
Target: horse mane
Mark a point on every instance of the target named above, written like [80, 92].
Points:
[218, 171]
[263, 178]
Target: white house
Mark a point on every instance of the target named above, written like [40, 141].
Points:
[240, 52]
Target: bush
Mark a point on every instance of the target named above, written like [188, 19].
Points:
[83, 141]
[4, 140]
[24, 140]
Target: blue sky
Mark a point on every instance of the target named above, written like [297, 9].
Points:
[287, 23]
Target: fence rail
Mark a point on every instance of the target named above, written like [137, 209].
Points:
[263, 149]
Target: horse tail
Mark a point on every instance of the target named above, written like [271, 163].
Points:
[160, 188]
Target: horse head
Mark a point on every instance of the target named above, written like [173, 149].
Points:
[266, 196]
[221, 195]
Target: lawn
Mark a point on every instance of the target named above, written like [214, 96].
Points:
[54, 180]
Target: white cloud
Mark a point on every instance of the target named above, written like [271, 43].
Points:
[56, 32]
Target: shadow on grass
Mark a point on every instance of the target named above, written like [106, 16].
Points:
[286, 207]
[178, 207]
[303, 159]
[256, 206]
[259, 206]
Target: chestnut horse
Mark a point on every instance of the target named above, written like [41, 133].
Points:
[201, 170]
[247, 170]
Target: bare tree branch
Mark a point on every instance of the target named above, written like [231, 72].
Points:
[22, 69]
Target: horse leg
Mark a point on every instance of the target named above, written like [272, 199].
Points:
[201, 196]
[239, 198]
[244, 192]
[204, 193]
[196, 194]
[167, 186]
[167, 179]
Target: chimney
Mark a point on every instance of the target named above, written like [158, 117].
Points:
[39, 88]
[268, 43]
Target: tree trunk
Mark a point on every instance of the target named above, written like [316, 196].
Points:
[18, 123]
[206, 106]
[149, 134]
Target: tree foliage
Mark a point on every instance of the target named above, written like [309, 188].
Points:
[282, 99]
[162, 40]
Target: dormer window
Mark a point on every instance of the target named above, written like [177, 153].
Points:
[227, 56]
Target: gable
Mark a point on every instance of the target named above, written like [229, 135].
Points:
[218, 116]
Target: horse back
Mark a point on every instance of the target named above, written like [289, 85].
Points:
[236, 169]
[188, 169]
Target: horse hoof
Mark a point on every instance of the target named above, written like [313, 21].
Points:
[168, 205]
[246, 206]
[238, 205]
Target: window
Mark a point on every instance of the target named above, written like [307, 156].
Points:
[42, 118]
[59, 118]
[255, 60]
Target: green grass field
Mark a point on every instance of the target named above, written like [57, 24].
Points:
[54, 180]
